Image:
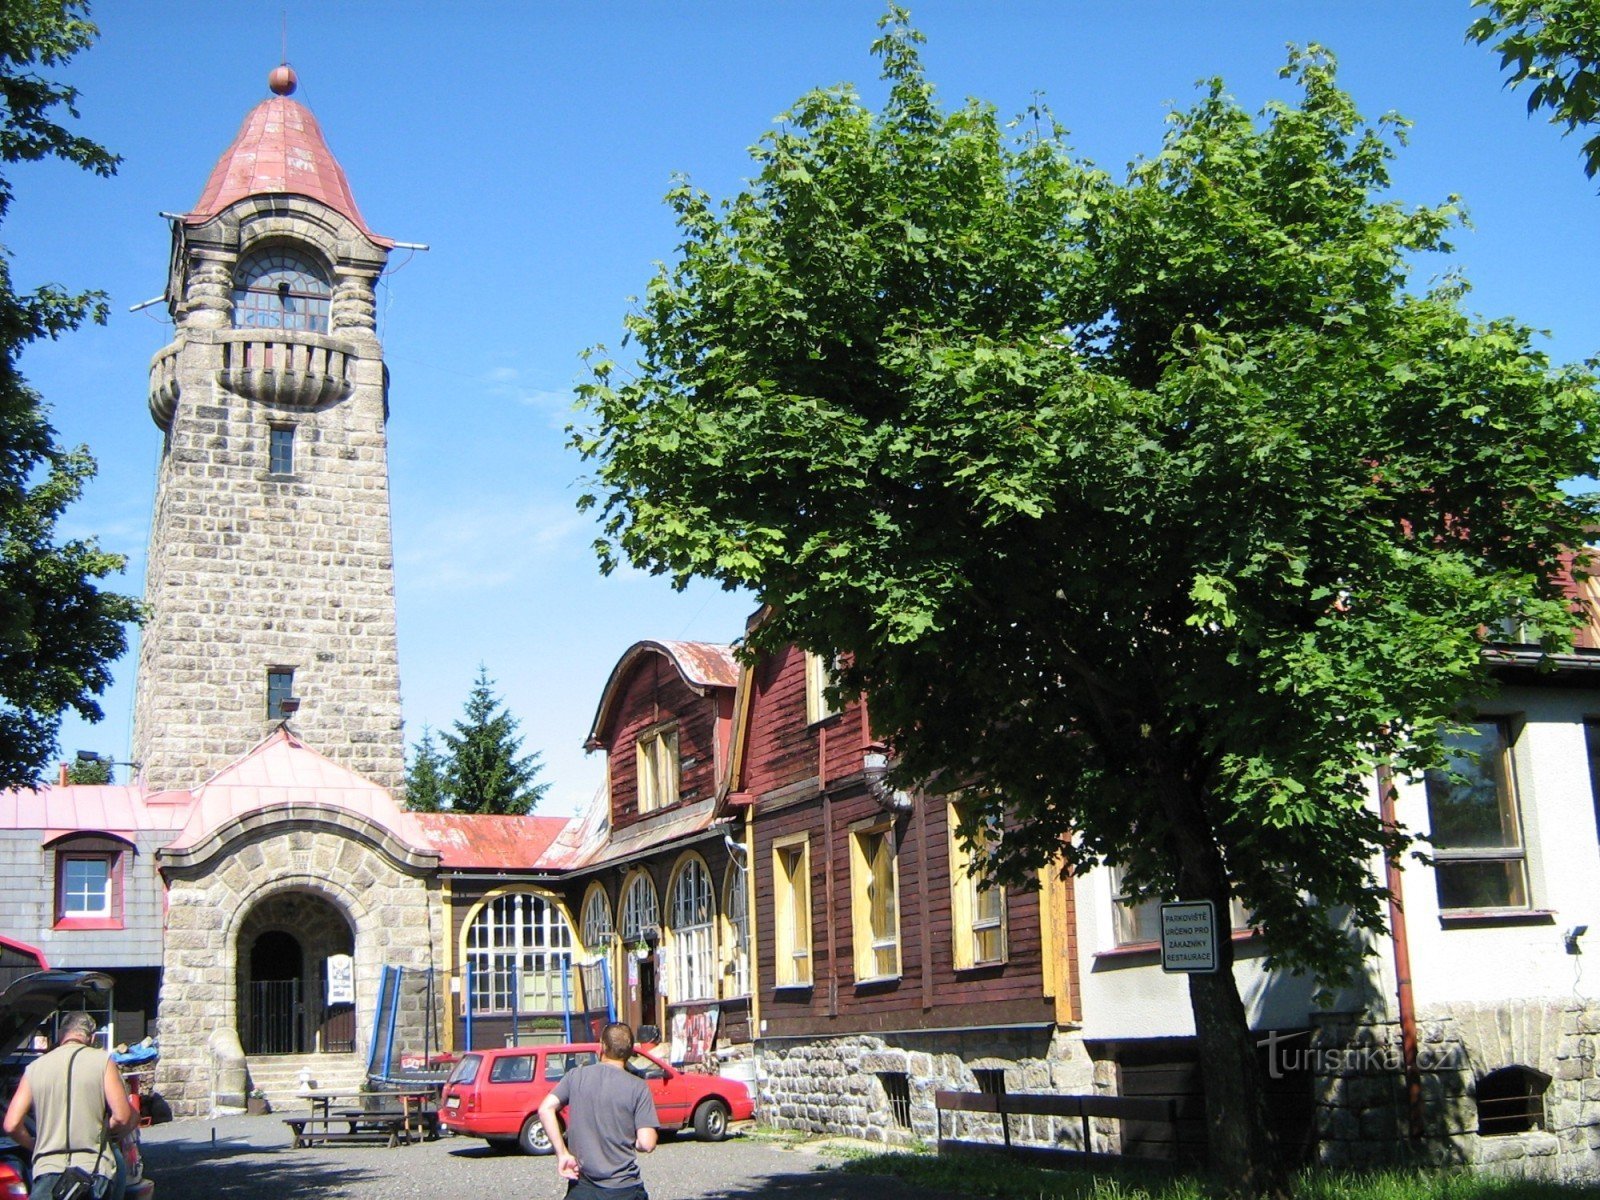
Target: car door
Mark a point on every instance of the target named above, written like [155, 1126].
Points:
[506, 1093]
[666, 1089]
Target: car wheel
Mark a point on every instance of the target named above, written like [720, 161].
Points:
[711, 1121]
[533, 1139]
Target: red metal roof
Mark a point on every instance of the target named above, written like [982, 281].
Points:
[279, 150]
[104, 808]
[280, 770]
[491, 843]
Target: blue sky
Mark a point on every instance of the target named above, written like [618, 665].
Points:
[529, 145]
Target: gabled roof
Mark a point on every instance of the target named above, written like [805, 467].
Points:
[491, 843]
[279, 150]
[704, 666]
[283, 770]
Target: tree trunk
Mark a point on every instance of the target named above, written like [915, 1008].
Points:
[1243, 1155]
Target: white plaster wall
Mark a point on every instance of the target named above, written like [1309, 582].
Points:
[1492, 963]
[1128, 996]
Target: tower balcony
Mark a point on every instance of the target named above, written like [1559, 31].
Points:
[280, 367]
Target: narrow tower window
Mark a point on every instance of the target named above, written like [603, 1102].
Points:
[280, 686]
[280, 450]
[277, 289]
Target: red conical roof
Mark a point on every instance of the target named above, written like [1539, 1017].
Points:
[279, 150]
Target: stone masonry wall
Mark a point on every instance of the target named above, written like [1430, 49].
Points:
[392, 912]
[250, 570]
[1362, 1116]
[833, 1085]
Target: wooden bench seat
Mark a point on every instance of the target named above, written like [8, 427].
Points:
[312, 1130]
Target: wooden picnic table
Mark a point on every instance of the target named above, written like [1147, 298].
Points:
[401, 1115]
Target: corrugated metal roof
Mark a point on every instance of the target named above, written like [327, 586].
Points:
[279, 150]
[467, 840]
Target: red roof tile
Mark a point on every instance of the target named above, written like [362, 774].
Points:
[279, 151]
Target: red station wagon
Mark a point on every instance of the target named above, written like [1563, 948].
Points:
[495, 1094]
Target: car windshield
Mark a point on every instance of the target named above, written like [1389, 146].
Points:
[645, 1068]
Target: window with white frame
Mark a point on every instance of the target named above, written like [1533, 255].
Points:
[1476, 829]
[85, 885]
[978, 914]
[597, 928]
[598, 935]
[694, 957]
[791, 933]
[517, 947]
[656, 753]
[875, 902]
[640, 914]
[819, 677]
[736, 933]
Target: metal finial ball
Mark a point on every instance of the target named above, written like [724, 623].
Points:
[282, 80]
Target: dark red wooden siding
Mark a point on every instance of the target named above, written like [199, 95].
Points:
[653, 693]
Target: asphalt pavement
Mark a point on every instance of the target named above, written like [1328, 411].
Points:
[248, 1158]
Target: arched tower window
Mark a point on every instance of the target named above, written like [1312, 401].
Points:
[693, 956]
[276, 288]
[516, 946]
[1511, 1100]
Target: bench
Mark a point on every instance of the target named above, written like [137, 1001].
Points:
[1051, 1104]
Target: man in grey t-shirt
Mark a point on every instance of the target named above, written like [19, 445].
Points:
[611, 1120]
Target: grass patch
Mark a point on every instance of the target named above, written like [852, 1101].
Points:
[1009, 1180]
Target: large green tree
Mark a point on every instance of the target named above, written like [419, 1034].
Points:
[1553, 46]
[483, 772]
[59, 632]
[1156, 512]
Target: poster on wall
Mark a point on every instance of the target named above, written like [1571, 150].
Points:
[694, 1029]
[341, 970]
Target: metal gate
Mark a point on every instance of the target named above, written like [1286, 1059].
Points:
[274, 1025]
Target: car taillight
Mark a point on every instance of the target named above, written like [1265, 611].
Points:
[10, 1182]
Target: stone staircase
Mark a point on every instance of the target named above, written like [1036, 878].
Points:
[278, 1075]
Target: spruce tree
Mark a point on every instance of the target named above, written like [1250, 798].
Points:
[482, 771]
[426, 789]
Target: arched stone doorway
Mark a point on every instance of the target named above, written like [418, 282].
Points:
[285, 1004]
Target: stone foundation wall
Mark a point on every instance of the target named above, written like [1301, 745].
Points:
[833, 1085]
[1362, 1114]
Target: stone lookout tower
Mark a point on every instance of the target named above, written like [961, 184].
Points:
[270, 583]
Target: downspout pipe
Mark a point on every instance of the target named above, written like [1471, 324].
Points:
[1401, 943]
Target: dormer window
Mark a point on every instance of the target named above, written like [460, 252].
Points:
[276, 288]
[657, 756]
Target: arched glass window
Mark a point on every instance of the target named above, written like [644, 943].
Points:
[1511, 1100]
[516, 947]
[639, 911]
[597, 928]
[693, 953]
[736, 946]
[274, 288]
